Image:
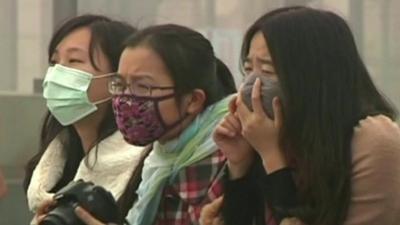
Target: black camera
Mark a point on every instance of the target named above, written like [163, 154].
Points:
[94, 199]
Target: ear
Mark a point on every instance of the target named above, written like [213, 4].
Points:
[196, 101]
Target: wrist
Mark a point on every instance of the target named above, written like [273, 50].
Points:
[273, 161]
[239, 170]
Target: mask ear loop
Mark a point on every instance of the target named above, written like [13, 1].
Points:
[99, 77]
[169, 127]
[104, 75]
[102, 101]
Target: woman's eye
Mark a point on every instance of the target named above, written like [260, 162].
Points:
[75, 61]
[267, 69]
[142, 87]
[267, 72]
[247, 69]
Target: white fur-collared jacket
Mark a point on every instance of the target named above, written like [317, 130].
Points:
[111, 168]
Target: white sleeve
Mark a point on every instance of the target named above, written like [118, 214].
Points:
[46, 175]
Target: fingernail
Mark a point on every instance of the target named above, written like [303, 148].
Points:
[78, 210]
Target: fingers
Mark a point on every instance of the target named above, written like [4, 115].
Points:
[223, 131]
[210, 213]
[86, 217]
[291, 221]
[256, 97]
[218, 221]
[242, 111]
[232, 105]
[229, 126]
[40, 218]
[46, 206]
[43, 209]
[278, 114]
[215, 206]
[233, 123]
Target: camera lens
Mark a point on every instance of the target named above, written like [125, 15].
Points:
[62, 215]
[53, 220]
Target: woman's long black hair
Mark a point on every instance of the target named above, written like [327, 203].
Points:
[326, 90]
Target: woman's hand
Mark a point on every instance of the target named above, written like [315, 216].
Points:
[230, 141]
[210, 213]
[79, 211]
[261, 131]
[291, 221]
[43, 209]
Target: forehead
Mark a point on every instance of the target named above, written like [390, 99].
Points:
[143, 60]
[79, 38]
[258, 46]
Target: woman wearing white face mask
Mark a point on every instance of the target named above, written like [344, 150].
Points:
[79, 138]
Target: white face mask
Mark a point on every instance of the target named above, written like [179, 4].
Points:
[65, 90]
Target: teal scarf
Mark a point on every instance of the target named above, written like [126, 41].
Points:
[165, 161]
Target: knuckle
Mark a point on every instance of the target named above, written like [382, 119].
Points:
[246, 130]
[255, 97]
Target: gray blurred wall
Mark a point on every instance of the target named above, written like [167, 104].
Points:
[20, 117]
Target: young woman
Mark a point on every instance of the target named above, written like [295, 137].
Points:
[170, 92]
[331, 155]
[79, 138]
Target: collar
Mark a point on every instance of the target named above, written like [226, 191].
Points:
[110, 165]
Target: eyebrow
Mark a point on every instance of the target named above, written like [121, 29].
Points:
[140, 76]
[72, 49]
[261, 60]
[247, 60]
[265, 61]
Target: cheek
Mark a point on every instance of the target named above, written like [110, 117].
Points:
[98, 90]
[86, 66]
[169, 111]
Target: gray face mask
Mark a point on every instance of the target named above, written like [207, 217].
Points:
[269, 89]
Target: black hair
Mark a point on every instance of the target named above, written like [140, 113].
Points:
[190, 59]
[326, 90]
[108, 36]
